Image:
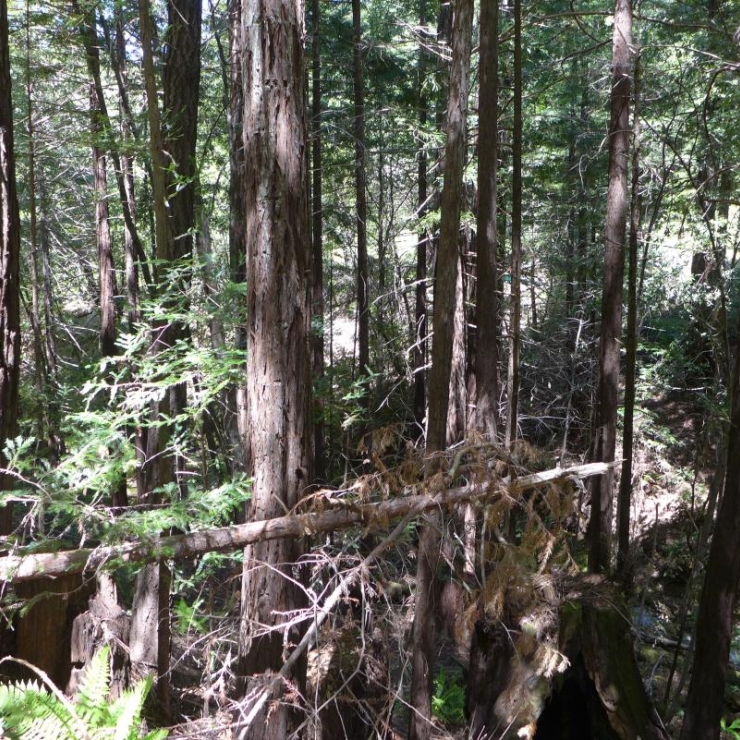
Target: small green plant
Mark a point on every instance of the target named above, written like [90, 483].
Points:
[28, 711]
[187, 618]
[448, 702]
[733, 729]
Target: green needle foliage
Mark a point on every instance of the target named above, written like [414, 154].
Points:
[29, 712]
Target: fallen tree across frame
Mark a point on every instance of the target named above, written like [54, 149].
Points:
[21, 568]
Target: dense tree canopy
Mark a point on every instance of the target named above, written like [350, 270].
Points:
[261, 261]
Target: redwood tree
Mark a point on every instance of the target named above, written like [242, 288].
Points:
[512, 416]
[714, 626]
[363, 269]
[278, 382]
[617, 203]
[10, 332]
[172, 148]
[420, 304]
[445, 285]
[486, 350]
[317, 239]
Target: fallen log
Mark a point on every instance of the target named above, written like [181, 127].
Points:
[21, 567]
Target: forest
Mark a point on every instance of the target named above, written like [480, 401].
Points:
[369, 369]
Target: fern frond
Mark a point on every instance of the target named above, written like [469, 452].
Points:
[125, 713]
[29, 712]
[92, 697]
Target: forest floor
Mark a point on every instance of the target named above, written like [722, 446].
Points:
[673, 470]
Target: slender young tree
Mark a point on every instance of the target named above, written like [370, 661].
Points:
[512, 416]
[278, 364]
[92, 44]
[317, 238]
[363, 270]
[617, 205]
[486, 349]
[118, 54]
[39, 361]
[624, 499]
[106, 270]
[448, 265]
[424, 236]
[172, 149]
[236, 405]
[10, 329]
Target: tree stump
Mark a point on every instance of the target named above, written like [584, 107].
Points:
[40, 635]
[104, 623]
[563, 670]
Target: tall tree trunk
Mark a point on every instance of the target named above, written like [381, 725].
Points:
[91, 43]
[617, 203]
[317, 242]
[448, 257]
[172, 148]
[705, 700]
[127, 176]
[236, 413]
[420, 308]
[181, 78]
[624, 500]
[49, 334]
[106, 269]
[512, 416]
[486, 350]
[363, 273]
[10, 328]
[39, 362]
[457, 404]
[150, 616]
[278, 365]
[448, 265]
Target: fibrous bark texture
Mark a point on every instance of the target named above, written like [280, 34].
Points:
[617, 203]
[10, 333]
[570, 672]
[705, 699]
[278, 388]
[445, 294]
[486, 349]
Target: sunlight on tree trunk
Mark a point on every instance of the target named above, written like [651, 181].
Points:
[445, 285]
[617, 204]
[486, 350]
[278, 360]
[10, 330]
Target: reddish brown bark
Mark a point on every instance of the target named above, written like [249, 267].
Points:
[705, 700]
[446, 284]
[617, 203]
[486, 349]
[363, 270]
[278, 387]
[515, 311]
[10, 331]
[317, 242]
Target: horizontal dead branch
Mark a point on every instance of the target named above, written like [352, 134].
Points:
[373, 517]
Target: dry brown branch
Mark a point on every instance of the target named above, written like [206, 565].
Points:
[373, 517]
